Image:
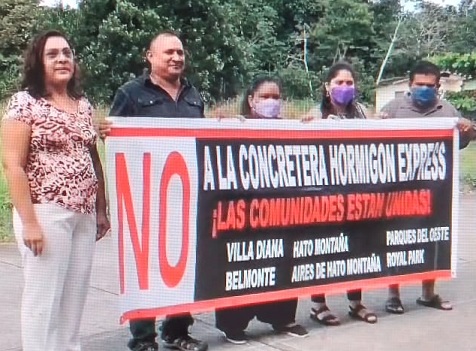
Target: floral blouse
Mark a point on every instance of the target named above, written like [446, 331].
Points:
[59, 167]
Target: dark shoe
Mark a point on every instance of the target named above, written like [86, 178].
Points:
[394, 305]
[146, 346]
[435, 302]
[237, 337]
[329, 319]
[296, 330]
[363, 314]
[185, 343]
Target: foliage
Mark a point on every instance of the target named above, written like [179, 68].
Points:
[464, 101]
[345, 30]
[426, 33]
[112, 38]
[17, 20]
[230, 41]
[9, 75]
[462, 64]
[467, 172]
[296, 83]
[462, 28]
[117, 53]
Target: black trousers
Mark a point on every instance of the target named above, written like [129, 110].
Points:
[143, 330]
[277, 314]
[352, 295]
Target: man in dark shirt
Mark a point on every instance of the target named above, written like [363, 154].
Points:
[161, 93]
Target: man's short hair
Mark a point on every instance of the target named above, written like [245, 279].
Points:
[169, 33]
[426, 68]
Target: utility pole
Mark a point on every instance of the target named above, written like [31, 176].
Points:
[389, 51]
[306, 67]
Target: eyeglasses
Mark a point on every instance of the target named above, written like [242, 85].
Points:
[53, 54]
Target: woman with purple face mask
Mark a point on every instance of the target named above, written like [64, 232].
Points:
[339, 95]
[339, 102]
[262, 100]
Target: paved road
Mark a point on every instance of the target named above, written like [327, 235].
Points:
[418, 329]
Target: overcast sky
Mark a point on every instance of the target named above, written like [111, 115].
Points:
[442, 2]
[73, 3]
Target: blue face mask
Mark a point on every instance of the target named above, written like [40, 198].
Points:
[423, 96]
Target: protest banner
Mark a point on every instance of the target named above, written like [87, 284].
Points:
[212, 214]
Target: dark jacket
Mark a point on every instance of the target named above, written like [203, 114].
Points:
[142, 98]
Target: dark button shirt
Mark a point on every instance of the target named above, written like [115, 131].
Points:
[142, 98]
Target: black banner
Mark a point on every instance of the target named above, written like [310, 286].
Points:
[292, 213]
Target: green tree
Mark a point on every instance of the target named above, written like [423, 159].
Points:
[462, 30]
[425, 32]
[464, 65]
[231, 41]
[389, 55]
[345, 30]
[112, 48]
[17, 20]
[112, 37]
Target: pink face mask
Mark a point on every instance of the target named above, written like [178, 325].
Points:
[268, 108]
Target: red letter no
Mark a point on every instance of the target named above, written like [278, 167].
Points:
[174, 165]
[124, 197]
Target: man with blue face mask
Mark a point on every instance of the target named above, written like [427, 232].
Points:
[423, 101]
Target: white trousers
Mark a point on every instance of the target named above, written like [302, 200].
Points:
[57, 281]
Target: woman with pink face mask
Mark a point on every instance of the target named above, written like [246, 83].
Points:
[262, 100]
[339, 102]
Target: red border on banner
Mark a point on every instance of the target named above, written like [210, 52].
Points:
[210, 305]
[273, 134]
[276, 133]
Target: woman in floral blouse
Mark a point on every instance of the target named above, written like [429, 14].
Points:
[56, 184]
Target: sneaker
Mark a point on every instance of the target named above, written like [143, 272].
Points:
[146, 346]
[295, 330]
[185, 343]
[237, 337]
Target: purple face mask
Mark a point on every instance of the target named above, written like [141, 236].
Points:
[268, 108]
[343, 95]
